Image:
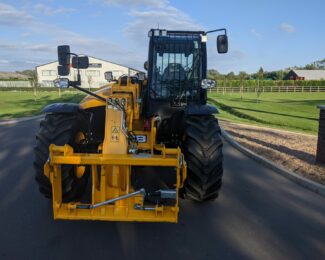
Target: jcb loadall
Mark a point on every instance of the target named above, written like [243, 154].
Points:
[128, 151]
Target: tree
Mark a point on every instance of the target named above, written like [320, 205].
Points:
[29, 73]
[33, 82]
[242, 76]
[90, 80]
[260, 75]
[279, 75]
[231, 75]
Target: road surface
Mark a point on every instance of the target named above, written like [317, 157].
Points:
[259, 215]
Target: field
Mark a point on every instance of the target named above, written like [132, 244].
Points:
[291, 111]
[23, 103]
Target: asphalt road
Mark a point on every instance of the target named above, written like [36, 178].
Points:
[259, 215]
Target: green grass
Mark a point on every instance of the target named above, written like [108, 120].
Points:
[15, 104]
[291, 111]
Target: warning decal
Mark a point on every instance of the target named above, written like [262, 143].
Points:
[115, 134]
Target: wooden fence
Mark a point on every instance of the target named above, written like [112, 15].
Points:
[15, 84]
[219, 89]
[27, 84]
[225, 90]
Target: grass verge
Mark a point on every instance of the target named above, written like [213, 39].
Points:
[290, 111]
[15, 104]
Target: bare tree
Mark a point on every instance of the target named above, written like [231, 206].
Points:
[260, 75]
[34, 82]
[242, 76]
[90, 80]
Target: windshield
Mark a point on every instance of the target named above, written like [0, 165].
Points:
[176, 70]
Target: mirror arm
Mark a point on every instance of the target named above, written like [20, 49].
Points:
[75, 84]
[217, 30]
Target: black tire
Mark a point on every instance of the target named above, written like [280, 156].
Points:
[203, 153]
[60, 129]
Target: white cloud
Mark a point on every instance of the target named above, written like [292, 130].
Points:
[18, 53]
[10, 16]
[40, 48]
[286, 27]
[144, 14]
[7, 46]
[46, 10]
[161, 15]
[132, 3]
[166, 17]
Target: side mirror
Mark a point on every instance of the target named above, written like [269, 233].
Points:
[64, 55]
[108, 75]
[64, 60]
[222, 43]
[80, 62]
[208, 83]
[145, 65]
[61, 83]
[63, 70]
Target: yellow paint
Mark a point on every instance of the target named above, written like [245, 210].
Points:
[111, 166]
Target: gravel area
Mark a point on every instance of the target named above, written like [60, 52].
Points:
[292, 151]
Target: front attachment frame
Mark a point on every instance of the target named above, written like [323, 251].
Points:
[110, 181]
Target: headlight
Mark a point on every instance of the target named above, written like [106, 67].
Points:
[208, 83]
[61, 83]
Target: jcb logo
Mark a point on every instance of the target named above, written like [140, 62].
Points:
[141, 138]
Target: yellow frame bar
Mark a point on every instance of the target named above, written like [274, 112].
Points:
[120, 211]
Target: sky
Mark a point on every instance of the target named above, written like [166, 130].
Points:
[270, 34]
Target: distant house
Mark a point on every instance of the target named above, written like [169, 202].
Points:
[94, 76]
[305, 75]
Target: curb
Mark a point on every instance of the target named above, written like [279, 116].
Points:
[18, 120]
[311, 185]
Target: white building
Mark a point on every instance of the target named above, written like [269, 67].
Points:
[92, 77]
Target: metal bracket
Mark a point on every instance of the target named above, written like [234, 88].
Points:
[133, 194]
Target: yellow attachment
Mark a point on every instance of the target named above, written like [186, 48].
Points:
[111, 173]
[105, 186]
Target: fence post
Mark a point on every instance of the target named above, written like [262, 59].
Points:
[320, 154]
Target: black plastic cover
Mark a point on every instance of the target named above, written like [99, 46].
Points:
[201, 110]
[61, 108]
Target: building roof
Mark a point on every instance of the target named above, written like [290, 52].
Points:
[311, 74]
[96, 59]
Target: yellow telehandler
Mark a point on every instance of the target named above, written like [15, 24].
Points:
[131, 149]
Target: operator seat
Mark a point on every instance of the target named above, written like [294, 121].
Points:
[174, 71]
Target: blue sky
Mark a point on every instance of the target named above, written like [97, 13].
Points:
[272, 34]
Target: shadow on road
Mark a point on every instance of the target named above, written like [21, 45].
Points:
[258, 215]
